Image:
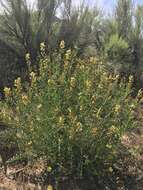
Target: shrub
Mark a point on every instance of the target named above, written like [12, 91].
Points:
[73, 112]
[118, 54]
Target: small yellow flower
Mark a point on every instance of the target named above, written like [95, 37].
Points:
[93, 99]
[117, 77]
[117, 108]
[132, 106]
[27, 56]
[78, 127]
[111, 77]
[88, 84]
[50, 187]
[49, 168]
[42, 47]
[140, 93]
[81, 108]
[69, 51]
[70, 114]
[29, 143]
[100, 86]
[39, 106]
[82, 67]
[32, 74]
[109, 146]
[66, 64]
[7, 91]
[61, 78]
[111, 169]
[73, 82]
[19, 135]
[113, 129]
[69, 109]
[50, 81]
[68, 54]
[62, 44]
[33, 77]
[94, 131]
[131, 79]
[17, 83]
[9, 118]
[61, 120]
[25, 99]
[93, 60]
[16, 119]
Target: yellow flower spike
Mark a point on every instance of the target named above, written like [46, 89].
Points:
[25, 99]
[62, 44]
[7, 91]
[49, 169]
[50, 187]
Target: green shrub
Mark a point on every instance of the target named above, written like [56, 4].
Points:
[118, 54]
[73, 112]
